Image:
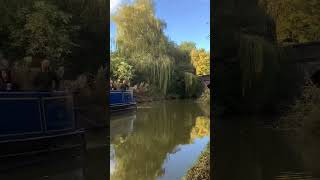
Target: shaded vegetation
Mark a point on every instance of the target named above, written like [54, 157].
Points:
[70, 33]
[303, 115]
[205, 96]
[251, 69]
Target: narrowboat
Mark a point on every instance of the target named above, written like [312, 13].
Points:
[35, 122]
[122, 100]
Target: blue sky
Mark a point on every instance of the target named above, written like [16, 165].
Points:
[187, 20]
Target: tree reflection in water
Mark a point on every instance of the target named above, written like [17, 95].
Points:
[157, 132]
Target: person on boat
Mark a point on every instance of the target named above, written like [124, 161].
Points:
[118, 84]
[46, 80]
[124, 86]
[60, 75]
[112, 86]
[6, 83]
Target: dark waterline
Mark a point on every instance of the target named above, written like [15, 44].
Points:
[162, 140]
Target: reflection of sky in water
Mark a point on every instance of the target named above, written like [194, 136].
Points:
[184, 158]
[112, 159]
[177, 162]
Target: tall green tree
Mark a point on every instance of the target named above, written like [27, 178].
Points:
[138, 29]
[43, 31]
[141, 39]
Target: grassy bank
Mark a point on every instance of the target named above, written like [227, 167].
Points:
[201, 170]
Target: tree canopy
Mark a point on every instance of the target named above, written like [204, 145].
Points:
[42, 31]
[70, 32]
[297, 21]
[138, 30]
[201, 61]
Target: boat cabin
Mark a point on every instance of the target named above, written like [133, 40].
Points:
[36, 117]
[121, 100]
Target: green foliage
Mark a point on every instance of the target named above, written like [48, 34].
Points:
[192, 85]
[140, 37]
[59, 24]
[138, 30]
[141, 42]
[42, 31]
[90, 16]
[297, 21]
[187, 47]
[160, 71]
[120, 69]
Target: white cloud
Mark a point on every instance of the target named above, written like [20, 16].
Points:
[114, 4]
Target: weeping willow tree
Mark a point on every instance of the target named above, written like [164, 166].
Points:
[246, 58]
[138, 29]
[156, 71]
[259, 67]
[141, 39]
[251, 56]
[192, 84]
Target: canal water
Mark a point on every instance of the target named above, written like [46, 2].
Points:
[160, 141]
[63, 165]
[253, 149]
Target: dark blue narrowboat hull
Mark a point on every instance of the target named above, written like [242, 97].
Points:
[122, 101]
[28, 118]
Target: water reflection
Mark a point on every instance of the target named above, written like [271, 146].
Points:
[201, 128]
[162, 141]
[246, 151]
[66, 164]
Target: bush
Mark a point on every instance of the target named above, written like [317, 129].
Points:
[304, 114]
[205, 97]
[120, 68]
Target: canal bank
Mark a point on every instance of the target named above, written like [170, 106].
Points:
[201, 169]
[161, 140]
